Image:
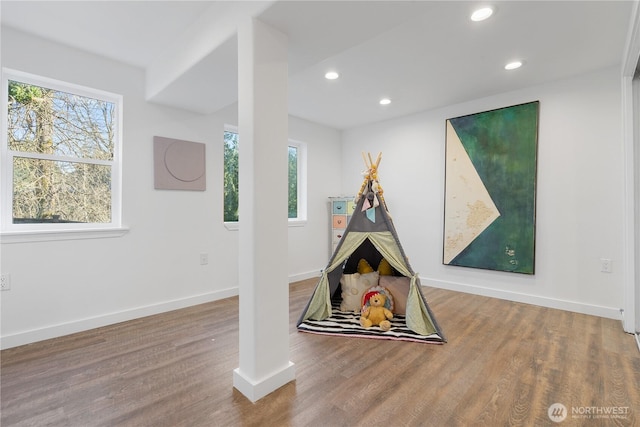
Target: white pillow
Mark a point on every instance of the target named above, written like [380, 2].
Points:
[353, 287]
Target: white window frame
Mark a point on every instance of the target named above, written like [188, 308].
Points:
[16, 233]
[229, 225]
[301, 219]
[301, 148]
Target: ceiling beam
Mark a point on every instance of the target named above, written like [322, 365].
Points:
[216, 26]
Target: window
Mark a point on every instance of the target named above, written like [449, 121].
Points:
[297, 181]
[296, 186]
[60, 155]
[293, 182]
[230, 176]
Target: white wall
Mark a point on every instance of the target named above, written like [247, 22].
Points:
[68, 286]
[579, 193]
[309, 245]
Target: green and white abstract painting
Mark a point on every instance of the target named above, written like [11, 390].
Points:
[490, 189]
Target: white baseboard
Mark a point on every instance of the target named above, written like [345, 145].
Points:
[256, 390]
[304, 276]
[59, 330]
[80, 325]
[576, 307]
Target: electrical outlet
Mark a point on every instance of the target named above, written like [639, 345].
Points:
[606, 265]
[204, 259]
[5, 282]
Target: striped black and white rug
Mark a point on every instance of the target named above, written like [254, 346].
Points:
[347, 323]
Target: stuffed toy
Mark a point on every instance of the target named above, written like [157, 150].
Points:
[375, 311]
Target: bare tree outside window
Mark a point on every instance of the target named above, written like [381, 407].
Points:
[62, 153]
[293, 182]
[231, 177]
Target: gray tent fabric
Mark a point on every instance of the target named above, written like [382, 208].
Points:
[364, 238]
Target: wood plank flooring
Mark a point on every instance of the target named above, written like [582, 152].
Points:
[504, 365]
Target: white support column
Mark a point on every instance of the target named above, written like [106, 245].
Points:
[631, 141]
[263, 274]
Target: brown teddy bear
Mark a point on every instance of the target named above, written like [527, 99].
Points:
[374, 311]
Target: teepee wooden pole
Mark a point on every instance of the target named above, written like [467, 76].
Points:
[364, 158]
[371, 173]
[375, 178]
[366, 177]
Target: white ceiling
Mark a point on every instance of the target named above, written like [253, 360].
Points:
[420, 54]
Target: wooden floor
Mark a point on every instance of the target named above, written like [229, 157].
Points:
[505, 364]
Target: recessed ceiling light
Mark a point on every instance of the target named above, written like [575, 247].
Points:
[482, 14]
[513, 65]
[331, 75]
[385, 101]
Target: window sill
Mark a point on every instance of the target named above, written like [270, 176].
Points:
[232, 226]
[235, 226]
[8, 237]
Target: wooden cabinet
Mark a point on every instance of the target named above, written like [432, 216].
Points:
[341, 209]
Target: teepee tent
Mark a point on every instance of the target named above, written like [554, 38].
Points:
[370, 236]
